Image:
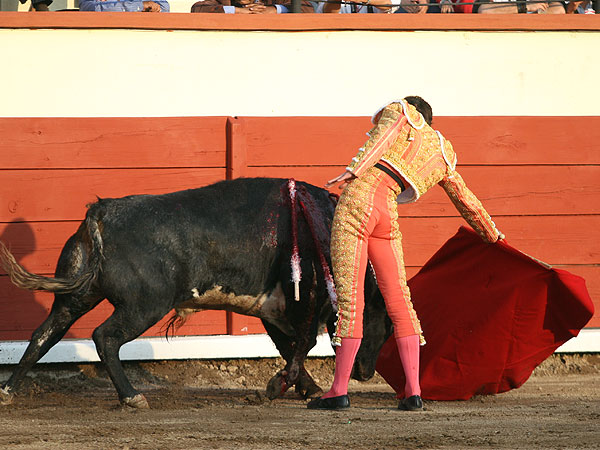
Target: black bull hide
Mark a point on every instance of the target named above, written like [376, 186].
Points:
[226, 246]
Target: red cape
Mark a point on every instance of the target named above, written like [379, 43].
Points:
[490, 314]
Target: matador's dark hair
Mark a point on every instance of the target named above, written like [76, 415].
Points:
[422, 106]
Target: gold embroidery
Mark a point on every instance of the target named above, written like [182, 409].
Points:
[347, 242]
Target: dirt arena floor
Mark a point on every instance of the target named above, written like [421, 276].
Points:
[220, 405]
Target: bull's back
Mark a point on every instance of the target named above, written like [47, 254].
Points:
[242, 204]
[214, 206]
[229, 234]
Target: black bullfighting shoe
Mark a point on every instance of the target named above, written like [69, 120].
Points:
[332, 403]
[412, 403]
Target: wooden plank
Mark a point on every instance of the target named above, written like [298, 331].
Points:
[303, 140]
[32, 195]
[478, 140]
[523, 140]
[150, 142]
[504, 190]
[112, 142]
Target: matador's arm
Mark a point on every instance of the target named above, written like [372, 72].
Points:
[470, 207]
[381, 137]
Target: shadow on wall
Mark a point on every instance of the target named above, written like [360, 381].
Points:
[19, 308]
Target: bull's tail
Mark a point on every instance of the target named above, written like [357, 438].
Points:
[33, 282]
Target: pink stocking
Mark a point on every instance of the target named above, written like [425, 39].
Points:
[344, 360]
[408, 348]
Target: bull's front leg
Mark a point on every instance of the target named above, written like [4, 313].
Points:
[281, 382]
[305, 386]
[304, 320]
[278, 385]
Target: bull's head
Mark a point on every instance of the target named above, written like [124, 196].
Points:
[377, 327]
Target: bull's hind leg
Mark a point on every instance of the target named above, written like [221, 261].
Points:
[66, 309]
[124, 325]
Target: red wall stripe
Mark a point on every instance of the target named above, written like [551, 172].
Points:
[541, 184]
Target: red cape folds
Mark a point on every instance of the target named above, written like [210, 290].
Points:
[490, 314]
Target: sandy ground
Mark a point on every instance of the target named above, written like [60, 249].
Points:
[220, 405]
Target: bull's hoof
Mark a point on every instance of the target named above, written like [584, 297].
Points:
[277, 386]
[138, 402]
[6, 397]
[306, 386]
[310, 392]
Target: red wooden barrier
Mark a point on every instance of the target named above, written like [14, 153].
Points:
[539, 182]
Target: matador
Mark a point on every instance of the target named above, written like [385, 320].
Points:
[402, 159]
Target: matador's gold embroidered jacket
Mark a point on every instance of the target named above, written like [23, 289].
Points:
[423, 157]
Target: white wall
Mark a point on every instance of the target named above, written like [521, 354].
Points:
[347, 73]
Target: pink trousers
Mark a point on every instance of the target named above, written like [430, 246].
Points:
[365, 228]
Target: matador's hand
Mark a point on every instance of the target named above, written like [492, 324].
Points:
[346, 178]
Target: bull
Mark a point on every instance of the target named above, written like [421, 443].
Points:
[226, 246]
